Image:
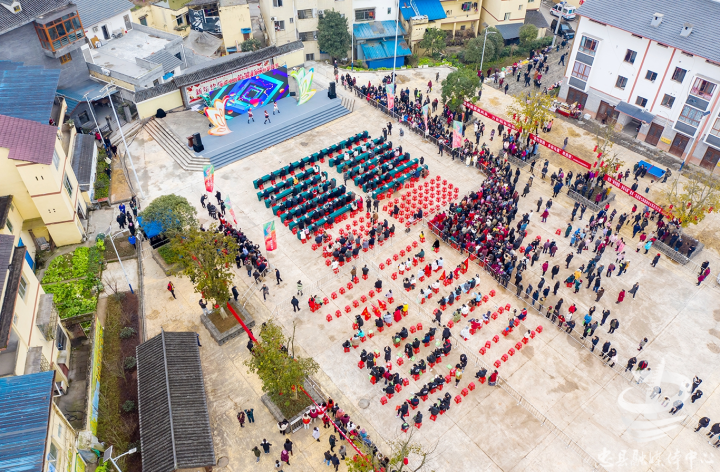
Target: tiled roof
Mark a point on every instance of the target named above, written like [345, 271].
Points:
[35, 84]
[7, 243]
[433, 9]
[174, 422]
[152, 92]
[24, 420]
[535, 17]
[5, 203]
[232, 62]
[636, 16]
[7, 311]
[83, 159]
[510, 31]
[168, 61]
[377, 29]
[27, 140]
[93, 12]
[31, 9]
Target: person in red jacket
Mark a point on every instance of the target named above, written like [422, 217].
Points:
[621, 296]
[493, 379]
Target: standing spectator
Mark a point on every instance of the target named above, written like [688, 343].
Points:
[256, 451]
[621, 296]
[295, 303]
[171, 289]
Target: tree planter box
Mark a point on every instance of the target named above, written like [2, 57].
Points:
[295, 421]
[225, 336]
[167, 268]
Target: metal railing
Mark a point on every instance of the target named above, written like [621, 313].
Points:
[578, 197]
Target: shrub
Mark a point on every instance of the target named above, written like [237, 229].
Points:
[127, 332]
[128, 406]
[130, 363]
[168, 254]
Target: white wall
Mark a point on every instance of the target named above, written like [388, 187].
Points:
[112, 23]
[381, 9]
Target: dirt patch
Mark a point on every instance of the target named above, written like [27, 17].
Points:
[572, 133]
[494, 101]
[222, 324]
[124, 248]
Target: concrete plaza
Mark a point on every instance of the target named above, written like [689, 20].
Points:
[558, 407]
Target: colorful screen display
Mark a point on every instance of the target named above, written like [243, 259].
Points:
[253, 92]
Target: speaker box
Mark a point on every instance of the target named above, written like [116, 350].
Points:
[197, 143]
[331, 91]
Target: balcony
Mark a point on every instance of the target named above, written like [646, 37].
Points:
[60, 32]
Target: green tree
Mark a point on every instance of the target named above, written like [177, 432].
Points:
[497, 40]
[206, 258]
[474, 51]
[280, 372]
[459, 86]
[400, 449]
[528, 34]
[173, 213]
[250, 45]
[433, 41]
[529, 112]
[333, 35]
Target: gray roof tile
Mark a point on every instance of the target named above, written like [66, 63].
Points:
[93, 12]
[152, 92]
[83, 159]
[5, 203]
[7, 312]
[30, 10]
[168, 61]
[635, 17]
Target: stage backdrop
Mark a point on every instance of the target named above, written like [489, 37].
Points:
[253, 92]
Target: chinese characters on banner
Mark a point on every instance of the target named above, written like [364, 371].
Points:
[228, 205]
[270, 236]
[390, 88]
[195, 91]
[619, 185]
[457, 134]
[425, 111]
[209, 176]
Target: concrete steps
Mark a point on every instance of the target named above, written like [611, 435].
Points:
[337, 109]
[175, 147]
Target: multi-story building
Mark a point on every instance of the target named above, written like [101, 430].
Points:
[104, 20]
[456, 17]
[289, 20]
[655, 66]
[36, 158]
[36, 436]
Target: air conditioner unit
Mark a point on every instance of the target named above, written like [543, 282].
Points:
[273, 18]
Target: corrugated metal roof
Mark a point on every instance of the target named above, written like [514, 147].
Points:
[509, 32]
[24, 417]
[433, 9]
[535, 17]
[93, 12]
[27, 91]
[375, 50]
[7, 311]
[174, 422]
[27, 140]
[31, 9]
[636, 16]
[377, 29]
[168, 61]
[77, 91]
[83, 159]
[232, 62]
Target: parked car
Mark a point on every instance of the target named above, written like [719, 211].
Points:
[563, 10]
[565, 31]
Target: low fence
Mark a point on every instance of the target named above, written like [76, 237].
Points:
[578, 197]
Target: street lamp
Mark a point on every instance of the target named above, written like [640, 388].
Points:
[482, 59]
[107, 456]
[112, 241]
[92, 113]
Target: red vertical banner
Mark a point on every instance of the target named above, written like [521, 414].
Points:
[270, 236]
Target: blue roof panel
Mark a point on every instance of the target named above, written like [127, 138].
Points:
[377, 29]
[27, 92]
[77, 91]
[24, 417]
[433, 9]
[375, 50]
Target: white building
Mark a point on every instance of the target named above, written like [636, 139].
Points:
[373, 10]
[654, 64]
[101, 19]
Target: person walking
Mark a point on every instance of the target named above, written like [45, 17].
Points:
[600, 294]
[634, 289]
[621, 296]
[695, 383]
[642, 344]
[655, 260]
[284, 457]
[256, 451]
[614, 324]
[316, 434]
[171, 289]
[275, 108]
[250, 412]
[631, 363]
[288, 447]
[265, 291]
[565, 143]
[277, 276]
[235, 293]
[299, 288]
[267, 120]
[332, 440]
[250, 115]
[295, 303]
[203, 305]
[704, 421]
[241, 418]
[696, 395]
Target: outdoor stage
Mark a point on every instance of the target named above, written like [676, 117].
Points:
[247, 139]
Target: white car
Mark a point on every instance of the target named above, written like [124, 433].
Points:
[564, 10]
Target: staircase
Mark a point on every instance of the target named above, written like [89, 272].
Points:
[332, 111]
[175, 147]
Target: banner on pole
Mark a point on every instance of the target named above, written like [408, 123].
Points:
[270, 236]
[457, 134]
[209, 176]
[228, 205]
[426, 111]
[390, 89]
[652, 205]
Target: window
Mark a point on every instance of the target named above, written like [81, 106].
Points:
[308, 36]
[630, 56]
[291, 19]
[305, 14]
[68, 186]
[389, 10]
[640, 101]
[179, 20]
[366, 14]
[679, 74]
[520, 7]
[56, 34]
[277, 3]
[60, 430]
[621, 82]
[667, 101]
[53, 454]
[22, 288]
[588, 45]
[309, 57]
[56, 159]
[15, 319]
[279, 26]
[65, 58]
[507, 16]
[715, 131]
[466, 6]
[702, 88]
[651, 76]
[9, 226]
[690, 116]
[143, 20]
[462, 28]
[581, 71]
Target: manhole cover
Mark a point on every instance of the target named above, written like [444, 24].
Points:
[364, 403]
[223, 461]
